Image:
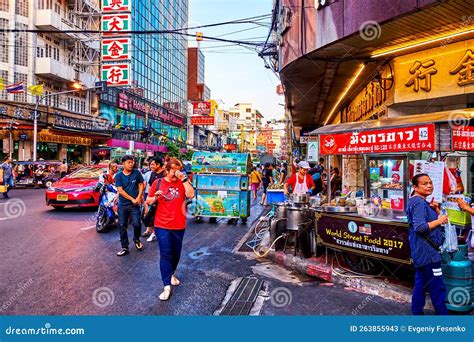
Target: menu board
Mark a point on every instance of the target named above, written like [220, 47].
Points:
[436, 172]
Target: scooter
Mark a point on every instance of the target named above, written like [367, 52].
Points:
[107, 216]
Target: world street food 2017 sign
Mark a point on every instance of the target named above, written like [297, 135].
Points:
[383, 240]
[405, 139]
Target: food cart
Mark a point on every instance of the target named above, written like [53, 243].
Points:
[378, 159]
[221, 182]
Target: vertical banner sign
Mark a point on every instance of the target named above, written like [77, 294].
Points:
[116, 49]
[109, 6]
[313, 151]
[116, 19]
[116, 74]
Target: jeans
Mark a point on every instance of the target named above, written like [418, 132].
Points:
[9, 183]
[171, 243]
[429, 276]
[126, 212]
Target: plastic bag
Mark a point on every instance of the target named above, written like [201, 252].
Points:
[450, 238]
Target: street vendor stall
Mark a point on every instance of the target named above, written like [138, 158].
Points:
[367, 220]
[221, 182]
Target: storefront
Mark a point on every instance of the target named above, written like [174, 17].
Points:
[379, 158]
[61, 134]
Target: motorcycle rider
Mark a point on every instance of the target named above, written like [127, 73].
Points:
[109, 176]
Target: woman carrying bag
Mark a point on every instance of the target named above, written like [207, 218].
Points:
[426, 236]
[170, 194]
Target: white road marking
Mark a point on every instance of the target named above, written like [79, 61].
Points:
[87, 228]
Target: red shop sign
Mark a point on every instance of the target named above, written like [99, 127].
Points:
[406, 139]
[230, 147]
[202, 107]
[202, 120]
[463, 138]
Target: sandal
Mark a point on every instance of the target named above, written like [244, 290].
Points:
[165, 295]
[138, 245]
[123, 252]
[175, 281]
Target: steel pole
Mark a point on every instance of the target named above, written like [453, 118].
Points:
[35, 127]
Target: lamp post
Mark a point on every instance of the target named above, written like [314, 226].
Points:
[78, 88]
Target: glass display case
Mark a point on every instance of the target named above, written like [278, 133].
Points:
[388, 181]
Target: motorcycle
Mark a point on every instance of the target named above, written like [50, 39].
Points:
[107, 216]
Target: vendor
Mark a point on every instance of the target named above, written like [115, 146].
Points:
[300, 182]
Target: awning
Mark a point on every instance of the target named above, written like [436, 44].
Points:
[457, 117]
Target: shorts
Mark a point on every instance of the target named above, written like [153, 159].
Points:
[255, 186]
[265, 186]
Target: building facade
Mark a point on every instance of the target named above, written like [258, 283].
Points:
[67, 123]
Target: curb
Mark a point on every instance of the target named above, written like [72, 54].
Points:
[317, 267]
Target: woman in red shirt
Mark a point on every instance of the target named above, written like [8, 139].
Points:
[170, 220]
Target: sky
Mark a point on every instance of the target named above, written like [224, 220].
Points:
[235, 74]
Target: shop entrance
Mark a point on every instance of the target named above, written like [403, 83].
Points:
[75, 154]
[47, 151]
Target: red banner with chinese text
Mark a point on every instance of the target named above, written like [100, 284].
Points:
[406, 139]
[463, 138]
[202, 120]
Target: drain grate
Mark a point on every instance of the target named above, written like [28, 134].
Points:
[243, 297]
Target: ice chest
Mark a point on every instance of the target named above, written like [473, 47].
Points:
[459, 217]
[275, 196]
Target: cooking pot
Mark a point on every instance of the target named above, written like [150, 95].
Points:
[295, 216]
[300, 198]
[279, 210]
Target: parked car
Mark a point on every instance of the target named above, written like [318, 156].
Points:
[78, 188]
[48, 174]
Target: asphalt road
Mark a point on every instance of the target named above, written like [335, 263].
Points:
[54, 263]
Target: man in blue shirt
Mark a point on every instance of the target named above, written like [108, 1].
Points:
[7, 176]
[130, 186]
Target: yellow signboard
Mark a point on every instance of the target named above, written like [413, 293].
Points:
[442, 71]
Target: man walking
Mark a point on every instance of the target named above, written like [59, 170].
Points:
[7, 176]
[63, 169]
[130, 185]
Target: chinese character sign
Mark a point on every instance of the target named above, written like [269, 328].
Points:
[116, 6]
[434, 73]
[406, 139]
[116, 23]
[116, 74]
[463, 138]
[115, 49]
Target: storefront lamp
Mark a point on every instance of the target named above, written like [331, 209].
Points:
[77, 86]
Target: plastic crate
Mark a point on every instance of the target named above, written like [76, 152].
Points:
[459, 217]
[275, 196]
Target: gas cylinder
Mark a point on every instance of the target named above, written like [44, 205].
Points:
[459, 281]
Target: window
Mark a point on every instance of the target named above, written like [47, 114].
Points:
[4, 5]
[20, 78]
[21, 45]
[21, 7]
[248, 110]
[4, 79]
[4, 41]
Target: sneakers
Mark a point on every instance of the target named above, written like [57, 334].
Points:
[151, 238]
[146, 233]
[138, 245]
[122, 252]
[165, 295]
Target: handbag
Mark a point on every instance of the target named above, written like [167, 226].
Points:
[148, 218]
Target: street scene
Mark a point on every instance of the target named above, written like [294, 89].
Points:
[237, 158]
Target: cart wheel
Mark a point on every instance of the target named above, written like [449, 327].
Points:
[362, 264]
[243, 220]
[212, 220]
[198, 219]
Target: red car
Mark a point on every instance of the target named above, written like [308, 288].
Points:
[78, 188]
